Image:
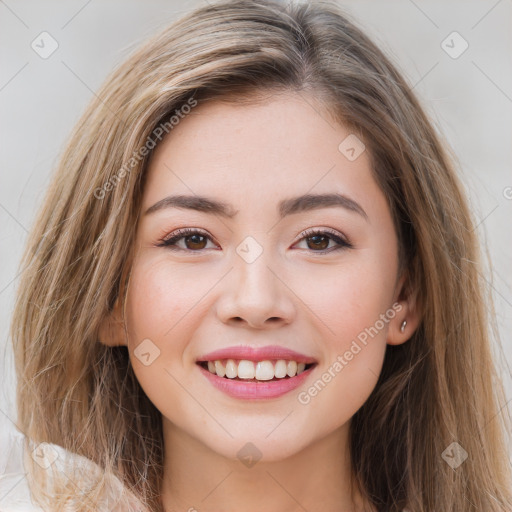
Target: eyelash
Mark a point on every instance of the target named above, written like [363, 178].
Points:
[170, 241]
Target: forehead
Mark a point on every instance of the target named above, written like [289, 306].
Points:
[280, 145]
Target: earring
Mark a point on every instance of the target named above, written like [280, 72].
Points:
[402, 327]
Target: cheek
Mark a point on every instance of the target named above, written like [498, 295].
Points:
[163, 299]
[162, 308]
[353, 305]
[348, 298]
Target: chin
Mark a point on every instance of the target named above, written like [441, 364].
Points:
[257, 447]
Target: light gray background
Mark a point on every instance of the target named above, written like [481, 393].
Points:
[468, 98]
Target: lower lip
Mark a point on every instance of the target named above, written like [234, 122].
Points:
[256, 390]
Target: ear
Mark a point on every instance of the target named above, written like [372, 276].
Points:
[408, 315]
[112, 329]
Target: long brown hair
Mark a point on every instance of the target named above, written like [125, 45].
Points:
[439, 388]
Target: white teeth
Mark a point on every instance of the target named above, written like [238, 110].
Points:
[291, 368]
[262, 370]
[280, 369]
[246, 370]
[231, 369]
[220, 369]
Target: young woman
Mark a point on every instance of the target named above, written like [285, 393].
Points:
[254, 285]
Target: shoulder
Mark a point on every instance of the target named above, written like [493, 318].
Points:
[14, 489]
[60, 467]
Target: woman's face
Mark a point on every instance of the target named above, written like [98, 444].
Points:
[251, 278]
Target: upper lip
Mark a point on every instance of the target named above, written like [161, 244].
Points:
[256, 354]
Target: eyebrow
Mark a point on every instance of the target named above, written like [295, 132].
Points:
[286, 207]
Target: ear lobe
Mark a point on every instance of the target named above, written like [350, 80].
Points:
[406, 321]
[112, 329]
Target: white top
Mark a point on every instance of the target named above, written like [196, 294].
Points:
[14, 488]
[15, 495]
[14, 491]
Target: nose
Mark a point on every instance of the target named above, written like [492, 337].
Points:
[255, 296]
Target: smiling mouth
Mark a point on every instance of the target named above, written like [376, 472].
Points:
[261, 371]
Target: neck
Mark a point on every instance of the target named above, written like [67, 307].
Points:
[316, 478]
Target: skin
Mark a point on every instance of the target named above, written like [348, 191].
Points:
[252, 156]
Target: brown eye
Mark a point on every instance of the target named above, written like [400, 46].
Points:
[188, 239]
[195, 242]
[318, 242]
